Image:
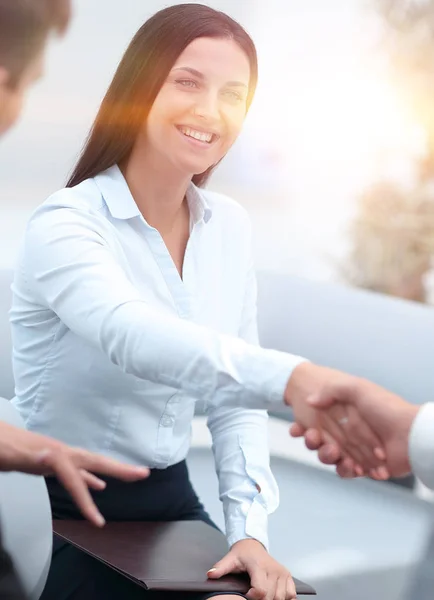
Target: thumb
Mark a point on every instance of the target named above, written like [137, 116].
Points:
[226, 565]
[323, 399]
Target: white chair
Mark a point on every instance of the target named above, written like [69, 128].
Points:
[25, 519]
[387, 340]
[25, 512]
[6, 376]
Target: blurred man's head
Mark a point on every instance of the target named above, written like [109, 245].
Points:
[25, 26]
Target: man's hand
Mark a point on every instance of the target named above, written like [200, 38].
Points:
[338, 426]
[269, 580]
[29, 452]
[389, 417]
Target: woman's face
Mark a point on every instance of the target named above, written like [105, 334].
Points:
[201, 107]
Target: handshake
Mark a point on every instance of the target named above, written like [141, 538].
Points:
[353, 423]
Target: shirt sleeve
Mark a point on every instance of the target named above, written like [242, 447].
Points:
[72, 269]
[248, 490]
[421, 445]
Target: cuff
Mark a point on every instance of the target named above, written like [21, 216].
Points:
[421, 445]
[282, 377]
[254, 526]
[264, 375]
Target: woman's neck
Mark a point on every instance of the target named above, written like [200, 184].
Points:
[158, 191]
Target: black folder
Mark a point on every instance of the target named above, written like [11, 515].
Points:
[171, 556]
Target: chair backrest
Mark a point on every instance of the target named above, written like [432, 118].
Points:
[6, 377]
[387, 340]
[25, 516]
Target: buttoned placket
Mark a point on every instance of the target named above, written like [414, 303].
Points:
[182, 293]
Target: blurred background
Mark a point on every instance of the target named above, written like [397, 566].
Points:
[336, 161]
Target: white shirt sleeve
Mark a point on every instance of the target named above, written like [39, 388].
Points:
[73, 271]
[421, 445]
[242, 457]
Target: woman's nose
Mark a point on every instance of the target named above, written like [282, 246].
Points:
[207, 107]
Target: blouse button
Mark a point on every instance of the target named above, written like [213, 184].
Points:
[167, 421]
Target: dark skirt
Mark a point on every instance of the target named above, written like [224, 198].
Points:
[10, 587]
[167, 495]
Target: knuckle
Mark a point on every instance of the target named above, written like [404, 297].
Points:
[48, 457]
[281, 571]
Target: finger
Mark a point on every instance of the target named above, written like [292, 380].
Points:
[345, 469]
[228, 564]
[340, 436]
[281, 588]
[313, 439]
[272, 579]
[364, 438]
[328, 423]
[280, 592]
[92, 481]
[108, 466]
[351, 467]
[380, 453]
[342, 394]
[360, 465]
[334, 404]
[379, 474]
[354, 435]
[71, 478]
[291, 592]
[322, 399]
[329, 454]
[296, 430]
[256, 594]
[258, 584]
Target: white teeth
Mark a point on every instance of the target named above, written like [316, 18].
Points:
[197, 135]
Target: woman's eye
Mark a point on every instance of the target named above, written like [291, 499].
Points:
[233, 95]
[187, 83]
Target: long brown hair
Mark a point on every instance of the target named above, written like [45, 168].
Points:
[140, 76]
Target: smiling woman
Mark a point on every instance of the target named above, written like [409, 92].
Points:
[194, 50]
[124, 257]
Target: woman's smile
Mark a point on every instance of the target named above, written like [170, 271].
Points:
[198, 137]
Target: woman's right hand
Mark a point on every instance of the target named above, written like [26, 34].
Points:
[29, 452]
[345, 435]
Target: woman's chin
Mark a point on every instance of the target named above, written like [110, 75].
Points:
[193, 168]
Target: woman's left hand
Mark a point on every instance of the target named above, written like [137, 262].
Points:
[269, 580]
